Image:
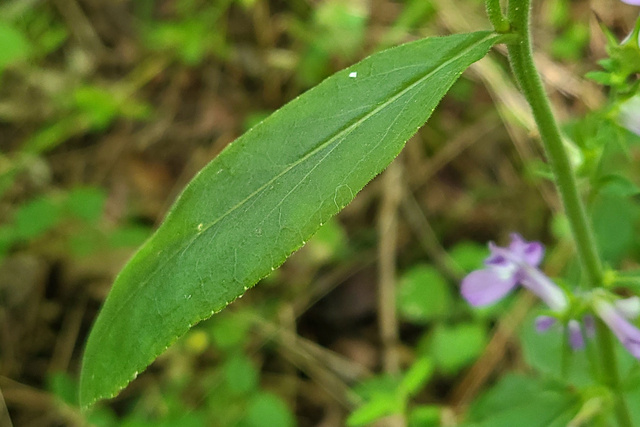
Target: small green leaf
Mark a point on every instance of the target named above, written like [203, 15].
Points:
[511, 390]
[264, 196]
[268, 410]
[86, 203]
[469, 256]
[571, 43]
[36, 217]
[521, 401]
[560, 226]
[240, 374]
[454, 347]
[385, 394]
[327, 244]
[424, 295]
[377, 385]
[379, 407]
[13, 45]
[230, 330]
[63, 387]
[341, 26]
[129, 235]
[618, 185]
[600, 77]
[614, 221]
[417, 376]
[425, 416]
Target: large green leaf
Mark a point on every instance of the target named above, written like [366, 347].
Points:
[264, 196]
[524, 402]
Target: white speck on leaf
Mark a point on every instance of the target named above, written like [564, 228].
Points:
[353, 74]
[200, 226]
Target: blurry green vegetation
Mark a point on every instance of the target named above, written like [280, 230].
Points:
[71, 220]
[139, 95]
[388, 395]
[516, 398]
[233, 394]
[572, 35]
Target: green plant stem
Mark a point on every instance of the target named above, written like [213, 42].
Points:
[498, 20]
[524, 69]
[521, 57]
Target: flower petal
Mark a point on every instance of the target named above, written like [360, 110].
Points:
[628, 307]
[500, 257]
[536, 281]
[629, 115]
[589, 325]
[544, 323]
[497, 260]
[483, 287]
[576, 340]
[628, 334]
[529, 252]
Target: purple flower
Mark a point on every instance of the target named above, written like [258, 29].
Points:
[633, 2]
[518, 264]
[616, 317]
[544, 323]
[576, 340]
[575, 330]
[508, 267]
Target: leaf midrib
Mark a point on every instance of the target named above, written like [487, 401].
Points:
[341, 133]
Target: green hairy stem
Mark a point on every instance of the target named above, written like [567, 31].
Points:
[498, 20]
[524, 69]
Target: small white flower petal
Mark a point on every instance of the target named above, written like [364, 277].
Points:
[628, 307]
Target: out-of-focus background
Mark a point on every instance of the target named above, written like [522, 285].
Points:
[107, 110]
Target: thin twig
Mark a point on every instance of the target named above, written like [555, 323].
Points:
[427, 237]
[387, 248]
[22, 395]
[331, 371]
[327, 282]
[459, 142]
[67, 338]
[5, 417]
[81, 27]
[387, 231]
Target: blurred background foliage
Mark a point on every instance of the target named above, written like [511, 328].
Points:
[108, 108]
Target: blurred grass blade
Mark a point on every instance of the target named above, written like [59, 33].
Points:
[264, 196]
